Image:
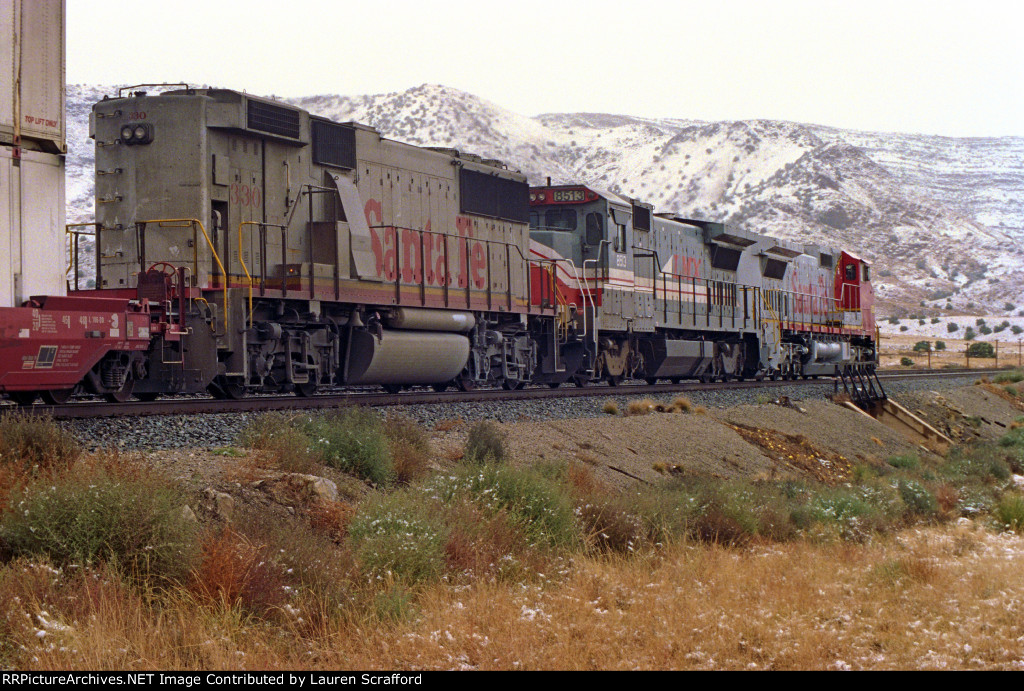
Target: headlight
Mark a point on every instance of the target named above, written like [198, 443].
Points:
[137, 134]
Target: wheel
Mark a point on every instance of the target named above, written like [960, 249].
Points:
[440, 387]
[512, 385]
[465, 384]
[580, 382]
[651, 380]
[613, 380]
[23, 397]
[391, 388]
[306, 390]
[57, 396]
[554, 384]
[676, 380]
[123, 394]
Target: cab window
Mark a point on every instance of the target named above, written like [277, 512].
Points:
[560, 219]
[851, 272]
[620, 237]
[864, 275]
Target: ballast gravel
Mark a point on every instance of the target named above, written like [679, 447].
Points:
[216, 430]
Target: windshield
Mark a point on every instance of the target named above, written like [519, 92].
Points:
[560, 219]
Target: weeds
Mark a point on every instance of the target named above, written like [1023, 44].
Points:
[485, 443]
[35, 442]
[109, 510]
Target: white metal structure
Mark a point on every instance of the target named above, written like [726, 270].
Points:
[32, 146]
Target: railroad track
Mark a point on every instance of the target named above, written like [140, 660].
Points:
[190, 405]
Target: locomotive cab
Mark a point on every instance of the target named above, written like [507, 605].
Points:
[854, 291]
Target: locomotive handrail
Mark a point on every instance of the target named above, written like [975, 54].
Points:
[192, 223]
[73, 246]
[136, 86]
[241, 259]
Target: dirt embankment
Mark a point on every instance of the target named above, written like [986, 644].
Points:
[816, 439]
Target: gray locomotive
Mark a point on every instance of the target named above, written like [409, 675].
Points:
[274, 250]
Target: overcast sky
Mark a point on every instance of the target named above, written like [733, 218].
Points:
[951, 67]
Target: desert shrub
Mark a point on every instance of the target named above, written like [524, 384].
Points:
[610, 407]
[952, 327]
[108, 510]
[907, 462]
[922, 346]
[666, 510]
[352, 440]
[536, 500]
[234, 571]
[906, 362]
[904, 328]
[33, 441]
[410, 448]
[485, 443]
[935, 320]
[969, 334]
[918, 500]
[984, 330]
[1009, 377]
[1017, 331]
[280, 441]
[400, 535]
[609, 526]
[981, 350]
[682, 404]
[1010, 512]
[640, 407]
[940, 345]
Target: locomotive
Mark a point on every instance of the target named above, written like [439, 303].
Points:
[244, 245]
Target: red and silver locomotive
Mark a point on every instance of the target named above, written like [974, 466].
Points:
[244, 245]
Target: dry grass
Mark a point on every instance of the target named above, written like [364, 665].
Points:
[947, 598]
[682, 404]
[610, 407]
[641, 407]
[447, 425]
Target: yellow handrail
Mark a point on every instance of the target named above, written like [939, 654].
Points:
[73, 247]
[241, 260]
[193, 222]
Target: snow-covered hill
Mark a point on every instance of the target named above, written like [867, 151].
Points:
[941, 218]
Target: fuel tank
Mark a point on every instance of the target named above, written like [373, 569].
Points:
[406, 357]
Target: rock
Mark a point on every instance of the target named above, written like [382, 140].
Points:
[292, 488]
[221, 504]
[188, 514]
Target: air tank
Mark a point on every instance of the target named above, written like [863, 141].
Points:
[418, 319]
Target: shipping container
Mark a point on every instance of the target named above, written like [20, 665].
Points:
[32, 248]
[32, 62]
[32, 113]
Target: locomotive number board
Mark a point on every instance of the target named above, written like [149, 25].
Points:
[568, 195]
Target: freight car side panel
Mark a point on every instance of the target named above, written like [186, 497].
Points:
[55, 348]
